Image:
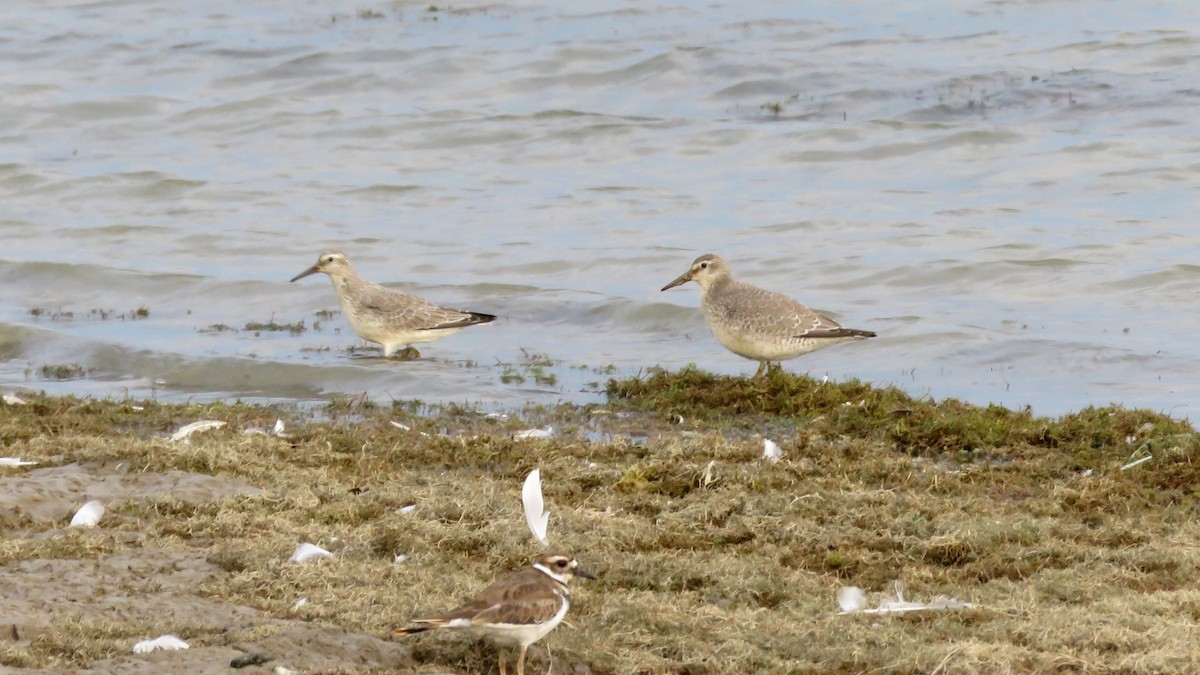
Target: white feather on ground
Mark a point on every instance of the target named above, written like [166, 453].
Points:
[535, 514]
[852, 599]
[14, 461]
[167, 642]
[404, 427]
[306, 551]
[534, 434]
[771, 451]
[195, 427]
[276, 431]
[1129, 465]
[88, 515]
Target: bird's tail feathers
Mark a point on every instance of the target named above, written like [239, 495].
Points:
[410, 630]
[839, 333]
[480, 317]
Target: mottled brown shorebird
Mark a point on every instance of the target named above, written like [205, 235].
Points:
[516, 610]
[390, 317]
[756, 323]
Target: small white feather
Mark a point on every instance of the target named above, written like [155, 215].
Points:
[851, 598]
[284, 670]
[277, 430]
[403, 510]
[1130, 465]
[195, 427]
[300, 603]
[771, 451]
[306, 551]
[14, 461]
[399, 558]
[12, 399]
[88, 515]
[400, 425]
[535, 515]
[167, 642]
[534, 434]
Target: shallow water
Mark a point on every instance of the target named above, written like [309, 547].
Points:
[1003, 191]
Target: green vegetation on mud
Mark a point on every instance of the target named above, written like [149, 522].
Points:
[711, 560]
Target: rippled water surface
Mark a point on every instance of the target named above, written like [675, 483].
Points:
[1005, 191]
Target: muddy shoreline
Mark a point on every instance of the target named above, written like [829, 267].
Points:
[711, 558]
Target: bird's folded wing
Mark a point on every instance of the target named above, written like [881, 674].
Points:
[378, 298]
[452, 318]
[521, 611]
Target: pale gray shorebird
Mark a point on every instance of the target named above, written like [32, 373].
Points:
[756, 323]
[516, 610]
[385, 315]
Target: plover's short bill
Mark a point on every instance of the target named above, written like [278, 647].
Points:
[516, 610]
[385, 315]
[756, 323]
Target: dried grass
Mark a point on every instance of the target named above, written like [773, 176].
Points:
[711, 560]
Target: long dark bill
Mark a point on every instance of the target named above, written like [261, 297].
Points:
[681, 279]
[311, 270]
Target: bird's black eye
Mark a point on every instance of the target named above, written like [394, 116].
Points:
[561, 563]
[703, 265]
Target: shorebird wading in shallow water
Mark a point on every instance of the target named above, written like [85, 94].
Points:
[387, 316]
[518, 610]
[756, 323]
